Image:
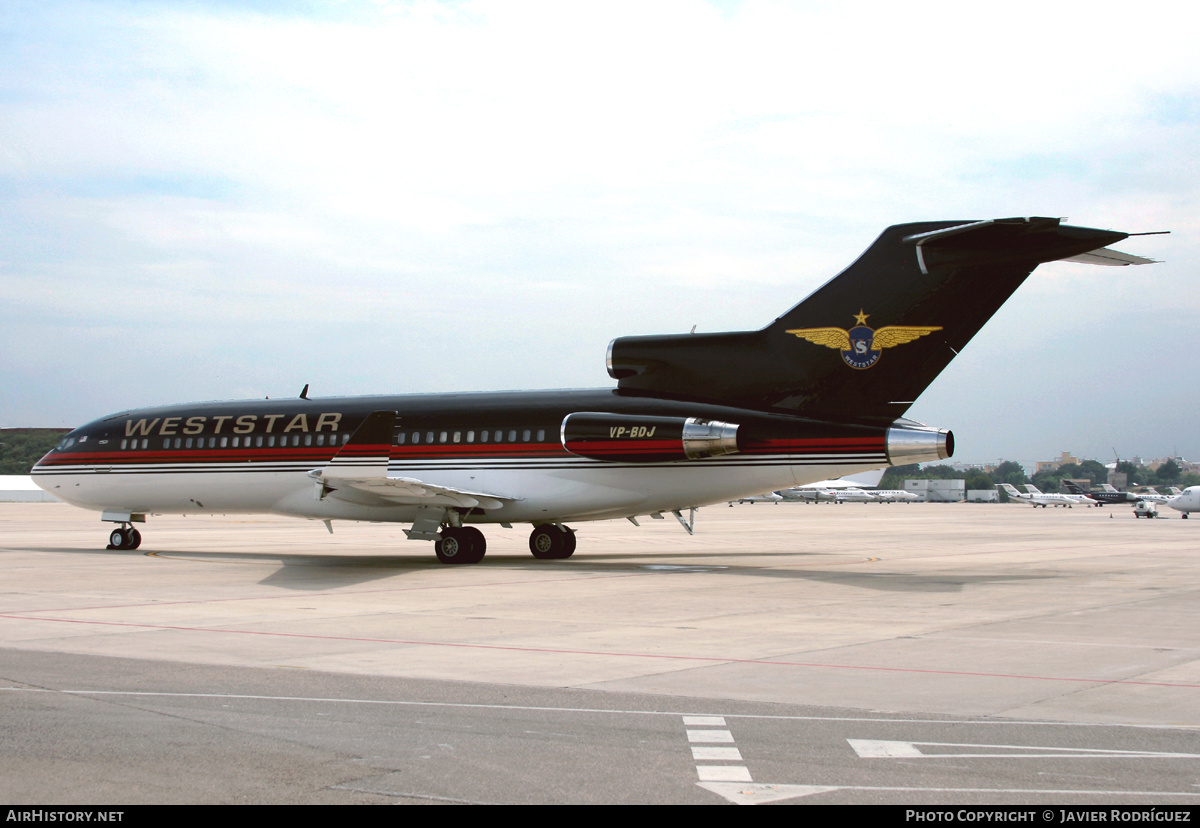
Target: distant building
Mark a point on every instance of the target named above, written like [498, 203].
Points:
[938, 491]
[1050, 465]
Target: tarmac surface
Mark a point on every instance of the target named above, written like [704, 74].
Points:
[903, 653]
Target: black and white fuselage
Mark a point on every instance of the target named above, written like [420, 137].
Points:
[258, 456]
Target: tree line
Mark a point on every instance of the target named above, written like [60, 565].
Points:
[1168, 474]
[20, 448]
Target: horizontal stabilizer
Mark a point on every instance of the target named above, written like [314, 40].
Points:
[1110, 257]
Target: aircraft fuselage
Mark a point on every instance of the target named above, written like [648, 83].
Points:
[254, 456]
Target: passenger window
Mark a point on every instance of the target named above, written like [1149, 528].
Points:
[428, 436]
[483, 435]
[525, 436]
[470, 436]
[457, 436]
[308, 439]
[512, 435]
[258, 441]
[443, 437]
[145, 443]
[224, 442]
[123, 442]
[188, 444]
[271, 441]
[400, 438]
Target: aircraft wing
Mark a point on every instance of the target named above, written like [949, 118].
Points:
[360, 469]
[407, 491]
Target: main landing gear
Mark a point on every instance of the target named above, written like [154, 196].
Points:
[551, 542]
[125, 537]
[467, 545]
[460, 545]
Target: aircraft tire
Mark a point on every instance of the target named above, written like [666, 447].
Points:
[458, 546]
[120, 539]
[135, 538]
[548, 542]
[478, 543]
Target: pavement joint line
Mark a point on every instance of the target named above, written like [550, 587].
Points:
[597, 653]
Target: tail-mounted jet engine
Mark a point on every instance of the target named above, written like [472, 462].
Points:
[643, 439]
[909, 442]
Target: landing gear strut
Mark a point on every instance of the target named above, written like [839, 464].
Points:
[551, 542]
[460, 545]
[126, 537]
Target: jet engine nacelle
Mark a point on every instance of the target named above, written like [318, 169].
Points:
[909, 442]
[643, 439]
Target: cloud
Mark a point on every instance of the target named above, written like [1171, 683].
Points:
[225, 198]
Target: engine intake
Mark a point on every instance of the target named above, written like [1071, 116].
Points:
[645, 439]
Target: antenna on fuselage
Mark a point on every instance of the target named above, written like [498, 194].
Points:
[304, 393]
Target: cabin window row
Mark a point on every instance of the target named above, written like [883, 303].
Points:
[469, 436]
[249, 441]
[514, 435]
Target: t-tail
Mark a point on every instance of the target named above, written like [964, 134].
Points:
[863, 346]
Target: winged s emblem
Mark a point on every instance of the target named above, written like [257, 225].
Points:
[861, 346]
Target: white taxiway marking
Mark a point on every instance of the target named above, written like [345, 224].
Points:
[878, 749]
[702, 751]
[721, 736]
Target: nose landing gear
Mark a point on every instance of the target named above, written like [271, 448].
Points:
[125, 537]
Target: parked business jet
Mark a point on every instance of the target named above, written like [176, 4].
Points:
[1149, 493]
[694, 419]
[1034, 497]
[852, 495]
[1106, 495]
[1056, 499]
[894, 495]
[1187, 501]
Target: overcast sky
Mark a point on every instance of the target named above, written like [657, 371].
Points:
[220, 200]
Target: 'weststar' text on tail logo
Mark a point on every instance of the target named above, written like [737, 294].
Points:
[861, 346]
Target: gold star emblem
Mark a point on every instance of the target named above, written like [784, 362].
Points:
[860, 317]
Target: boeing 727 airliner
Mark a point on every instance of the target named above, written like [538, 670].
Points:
[694, 419]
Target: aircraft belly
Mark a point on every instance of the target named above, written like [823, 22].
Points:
[599, 491]
[173, 492]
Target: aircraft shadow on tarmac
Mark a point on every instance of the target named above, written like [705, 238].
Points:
[323, 572]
